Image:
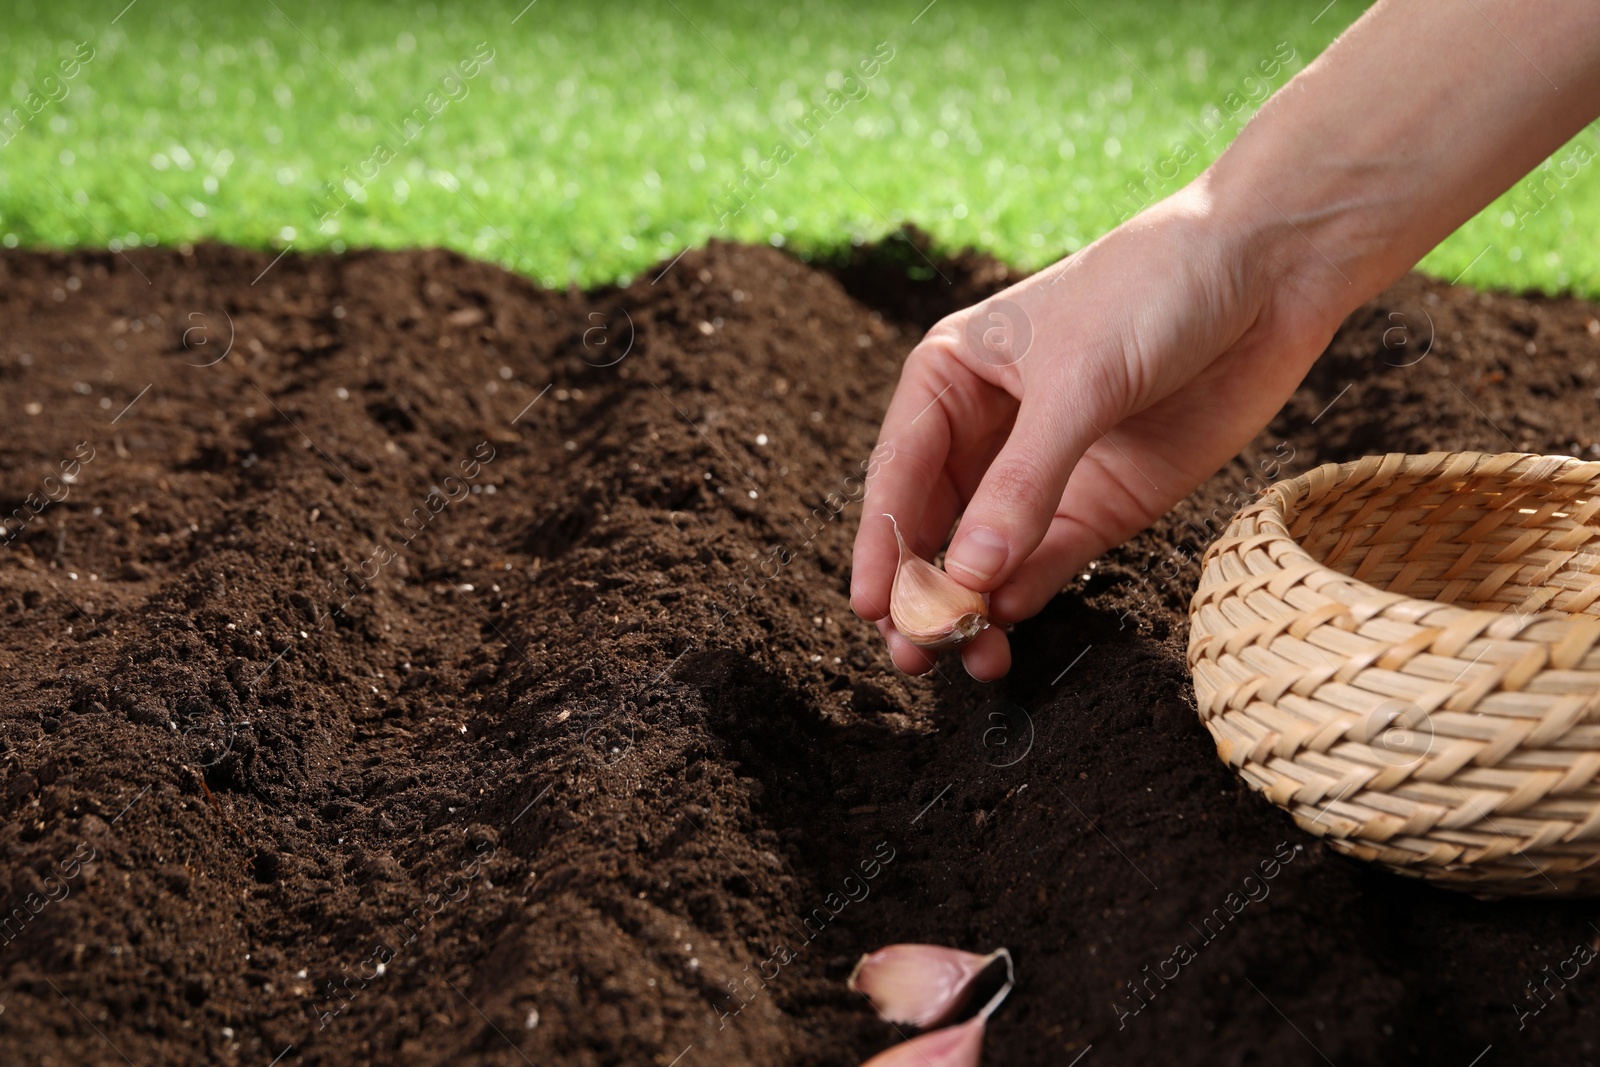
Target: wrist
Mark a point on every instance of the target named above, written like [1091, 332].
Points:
[1310, 236]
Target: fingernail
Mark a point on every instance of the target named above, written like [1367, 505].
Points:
[981, 553]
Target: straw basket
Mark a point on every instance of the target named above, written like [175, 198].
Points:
[1404, 653]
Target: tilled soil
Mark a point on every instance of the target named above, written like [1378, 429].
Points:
[403, 664]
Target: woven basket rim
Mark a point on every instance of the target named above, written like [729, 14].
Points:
[1281, 502]
[1301, 669]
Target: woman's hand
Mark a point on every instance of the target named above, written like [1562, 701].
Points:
[1067, 413]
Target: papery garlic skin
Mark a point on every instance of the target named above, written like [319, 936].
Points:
[955, 1046]
[928, 607]
[917, 985]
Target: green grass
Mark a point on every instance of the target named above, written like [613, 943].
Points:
[599, 138]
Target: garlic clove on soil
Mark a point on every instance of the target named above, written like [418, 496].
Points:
[931, 609]
[955, 1046]
[920, 985]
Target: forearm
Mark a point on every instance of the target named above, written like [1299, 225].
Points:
[1407, 126]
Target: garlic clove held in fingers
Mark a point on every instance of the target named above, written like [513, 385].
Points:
[931, 609]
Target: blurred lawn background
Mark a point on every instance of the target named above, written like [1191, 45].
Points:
[600, 138]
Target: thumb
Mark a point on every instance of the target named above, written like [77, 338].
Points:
[1017, 498]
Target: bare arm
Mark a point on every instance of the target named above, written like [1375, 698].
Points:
[1409, 124]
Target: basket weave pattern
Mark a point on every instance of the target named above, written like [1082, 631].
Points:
[1404, 652]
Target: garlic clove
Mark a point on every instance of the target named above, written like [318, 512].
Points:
[955, 1046]
[931, 609]
[919, 985]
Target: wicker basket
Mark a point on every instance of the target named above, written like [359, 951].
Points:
[1404, 652]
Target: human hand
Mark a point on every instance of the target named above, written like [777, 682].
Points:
[1068, 412]
[1157, 352]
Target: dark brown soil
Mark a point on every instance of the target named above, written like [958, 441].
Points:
[420, 684]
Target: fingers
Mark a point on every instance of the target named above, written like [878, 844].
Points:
[1066, 549]
[908, 469]
[987, 658]
[944, 506]
[907, 657]
[1017, 498]
[1096, 512]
